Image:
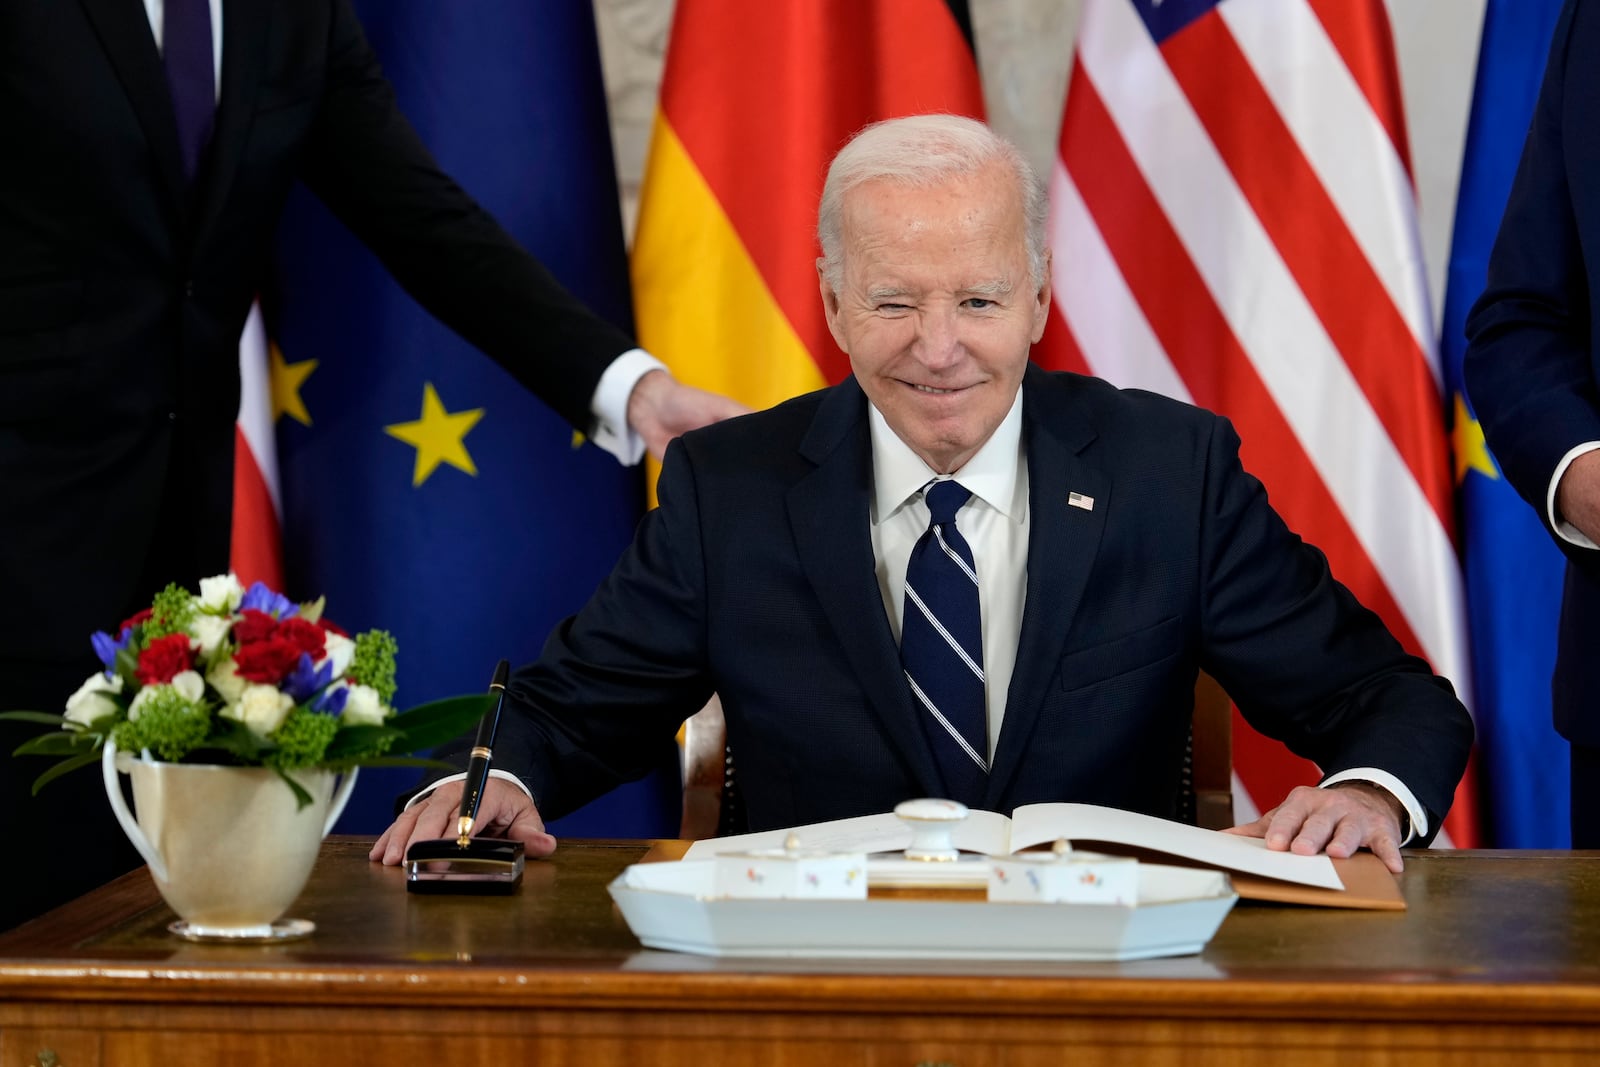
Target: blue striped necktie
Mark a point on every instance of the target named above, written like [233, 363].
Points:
[941, 646]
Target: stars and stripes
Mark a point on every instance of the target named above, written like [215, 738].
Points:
[1233, 224]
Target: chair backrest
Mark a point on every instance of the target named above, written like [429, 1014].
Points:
[1211, 755]
[710, 792]
[707, 772]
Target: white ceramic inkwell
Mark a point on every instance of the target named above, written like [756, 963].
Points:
[792, 873]
[932, 823]
[1063, 876]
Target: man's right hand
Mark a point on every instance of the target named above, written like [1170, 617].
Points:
[505, 811]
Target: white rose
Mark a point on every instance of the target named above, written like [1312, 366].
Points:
[224, 678]
[261, 707]
[90, 701]
[363, 708]
[190, 685]
[339, 651]
[208, 631]
[221, 593]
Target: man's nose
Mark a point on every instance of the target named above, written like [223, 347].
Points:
[938, 337]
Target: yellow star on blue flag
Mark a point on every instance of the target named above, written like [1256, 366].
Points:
[1472, 453]
[286, 379]
[438, 436]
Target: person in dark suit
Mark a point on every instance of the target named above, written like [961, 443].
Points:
[147, 163]
[1116, 542]
[1532, 368]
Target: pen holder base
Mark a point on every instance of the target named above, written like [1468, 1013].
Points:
[485, 865]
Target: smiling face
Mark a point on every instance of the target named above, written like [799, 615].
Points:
[936, 308]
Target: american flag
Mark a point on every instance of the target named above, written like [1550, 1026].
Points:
[1233, 219]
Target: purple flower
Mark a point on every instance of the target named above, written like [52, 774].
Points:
[259, 597]
[107, 647]
[306, 679]
[332, 701]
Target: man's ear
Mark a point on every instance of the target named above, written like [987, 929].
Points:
[1041, 301]
[830, 306]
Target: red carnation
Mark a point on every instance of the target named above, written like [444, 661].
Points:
[305, 636]
[135, 621]
[163, 658]
[266, 662]
[254, 626]
[332, 627]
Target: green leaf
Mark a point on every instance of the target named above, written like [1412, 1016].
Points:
[127, 665]
[430, 725]
[407, 761]
[34, 716]
[64, 767]
[354, 740]
[59, 743]
[301, 797]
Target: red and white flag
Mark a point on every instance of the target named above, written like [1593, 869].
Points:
[1233, 221]
[257, 548]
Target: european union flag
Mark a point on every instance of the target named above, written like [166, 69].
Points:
[1513, 572]
[424, 491]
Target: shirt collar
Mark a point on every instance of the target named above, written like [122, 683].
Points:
[898, 473]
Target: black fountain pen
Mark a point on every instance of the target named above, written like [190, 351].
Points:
[482, 755]
[467, 864]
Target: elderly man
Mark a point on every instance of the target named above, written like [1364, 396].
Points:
[955, 574]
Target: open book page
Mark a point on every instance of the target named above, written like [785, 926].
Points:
[993, 834]
[981, 831]
[1033, 824]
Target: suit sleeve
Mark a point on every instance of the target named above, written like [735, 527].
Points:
[616, 680]
[1301, 657]
[364, 160]
[1528, 367]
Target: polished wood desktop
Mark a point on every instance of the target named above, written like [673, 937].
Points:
[1497, 960]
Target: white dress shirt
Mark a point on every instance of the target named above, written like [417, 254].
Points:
[608, 405]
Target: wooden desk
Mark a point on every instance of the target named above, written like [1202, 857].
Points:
[1497, 961]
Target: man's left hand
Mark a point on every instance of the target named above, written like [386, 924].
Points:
[1339, 820]
[661, 407]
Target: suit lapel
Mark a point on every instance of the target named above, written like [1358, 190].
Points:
[829, 512]
[124, 32]
[244, 49]
[1063, 539]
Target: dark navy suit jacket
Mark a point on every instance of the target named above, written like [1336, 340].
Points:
[755, 579]
[1533, 358]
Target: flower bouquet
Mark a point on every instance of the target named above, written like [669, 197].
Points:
[246, 678]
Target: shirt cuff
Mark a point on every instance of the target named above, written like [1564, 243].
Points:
[609, 405]
[1565, 530]
[505, 776]
[1395, 788]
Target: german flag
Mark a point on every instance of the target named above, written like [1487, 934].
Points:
[755, 100]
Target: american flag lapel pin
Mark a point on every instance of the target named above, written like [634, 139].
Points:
[1078, 500]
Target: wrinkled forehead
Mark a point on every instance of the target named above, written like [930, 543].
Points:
[959, 232]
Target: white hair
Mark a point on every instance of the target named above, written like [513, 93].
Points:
[922, 151]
